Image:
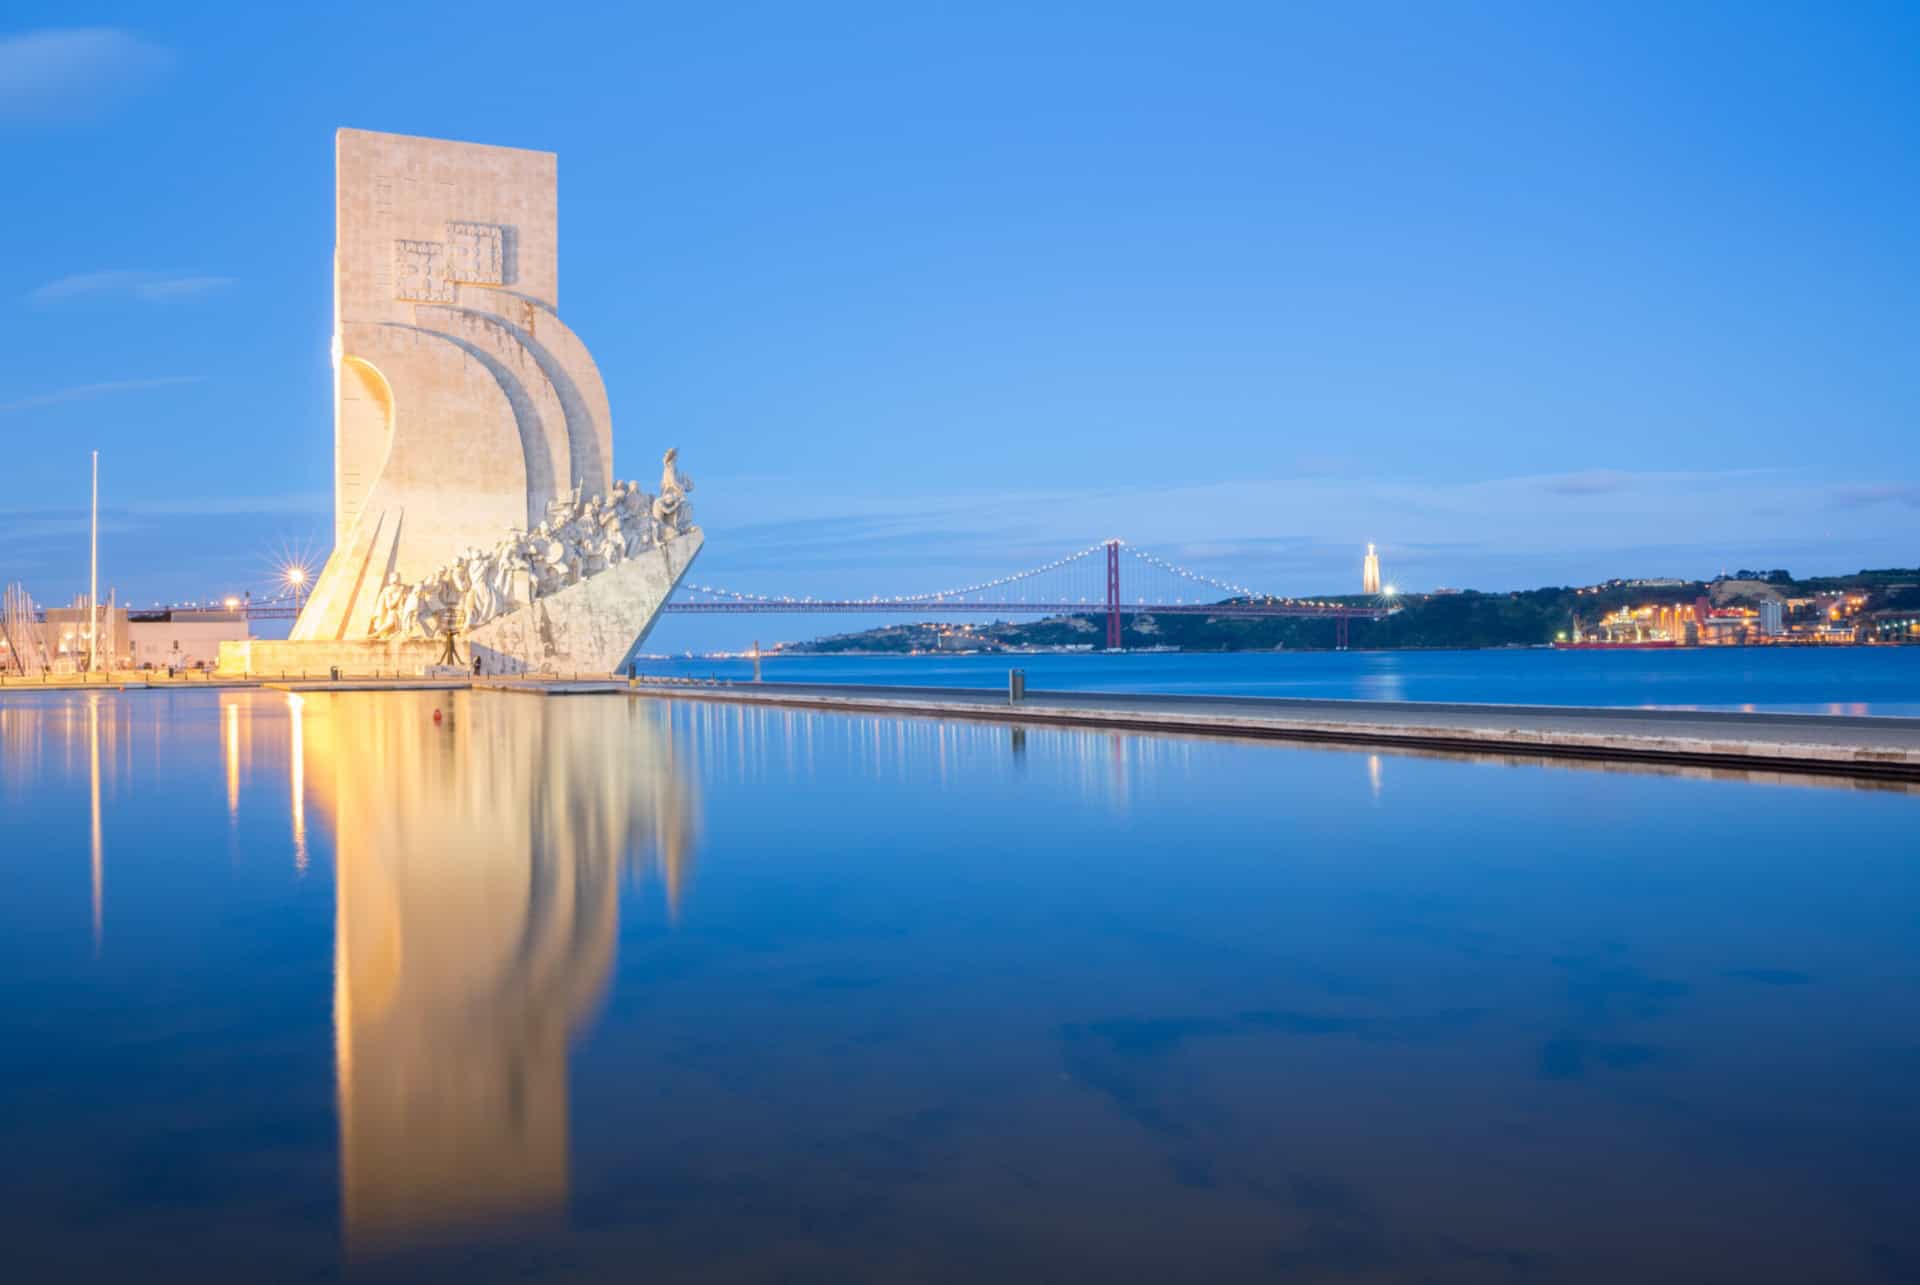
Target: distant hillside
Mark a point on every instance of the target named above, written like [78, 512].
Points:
[1464, 619]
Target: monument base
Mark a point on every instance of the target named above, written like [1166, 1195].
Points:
[592, 627]
[356, 658]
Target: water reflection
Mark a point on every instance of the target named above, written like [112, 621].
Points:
[761, 743]
[230, 713]
[479, 858]
[1075, 1003]
[99, 857]
[296, 777]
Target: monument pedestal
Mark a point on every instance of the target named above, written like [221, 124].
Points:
[354, 658]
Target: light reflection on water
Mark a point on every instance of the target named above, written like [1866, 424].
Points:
[316, 985]
[475, 930]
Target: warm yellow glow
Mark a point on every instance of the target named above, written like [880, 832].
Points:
[233, 603]
[297, 780]
[233, 759]
[458, 979]
[296, 576]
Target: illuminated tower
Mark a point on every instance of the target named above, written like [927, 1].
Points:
[1370, 572]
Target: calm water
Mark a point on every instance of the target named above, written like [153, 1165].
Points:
[1831, 680]
[601, 988]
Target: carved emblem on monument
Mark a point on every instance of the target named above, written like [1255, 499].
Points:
[420, 272]
[476, 256]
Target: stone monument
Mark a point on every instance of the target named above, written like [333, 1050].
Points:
[474, 493]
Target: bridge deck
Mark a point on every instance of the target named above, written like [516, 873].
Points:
[1885, 748]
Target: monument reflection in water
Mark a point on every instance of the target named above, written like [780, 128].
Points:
[480, 859]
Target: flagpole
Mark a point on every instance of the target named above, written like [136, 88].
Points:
[93, 576]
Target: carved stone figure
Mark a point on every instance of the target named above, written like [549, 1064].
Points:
[636, 519]
[671, 510]
[513, 574]
[386, 608]
[483, 593]
[425, 610]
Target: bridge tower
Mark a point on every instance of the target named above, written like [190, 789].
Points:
[1113, 595]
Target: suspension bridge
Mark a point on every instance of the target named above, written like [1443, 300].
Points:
[1111, 578]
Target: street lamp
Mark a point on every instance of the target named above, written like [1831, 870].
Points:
[296, 578]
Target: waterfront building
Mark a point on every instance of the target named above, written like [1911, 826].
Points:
[134, 639]
[1773, 619]
[64, 635]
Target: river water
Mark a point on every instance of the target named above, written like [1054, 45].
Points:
[1826, 680]
[609, 988]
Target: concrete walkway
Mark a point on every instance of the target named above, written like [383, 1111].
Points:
[119, 681]
[1885, 748]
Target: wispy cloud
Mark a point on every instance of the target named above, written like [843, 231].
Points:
[297, 502]
[83, 392]
[151, 286]
[61, 74]
[1594, 482]
[1904, 494]
[1609, 481]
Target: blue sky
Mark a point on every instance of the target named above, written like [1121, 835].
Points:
[1525, 293]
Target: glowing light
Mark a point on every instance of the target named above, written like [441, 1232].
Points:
[233, 603]
[296, 576]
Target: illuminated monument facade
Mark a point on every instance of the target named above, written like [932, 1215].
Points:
[1370, 572]
[473, 450]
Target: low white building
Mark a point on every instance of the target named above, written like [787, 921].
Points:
[181, 639]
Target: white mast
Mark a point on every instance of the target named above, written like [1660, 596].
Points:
[93, 576]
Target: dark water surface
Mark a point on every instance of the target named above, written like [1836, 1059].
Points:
[1808, 680]
[604, 988]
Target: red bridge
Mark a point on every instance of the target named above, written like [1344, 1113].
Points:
[1082, 583]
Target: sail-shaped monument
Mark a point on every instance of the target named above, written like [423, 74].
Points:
[475, 498]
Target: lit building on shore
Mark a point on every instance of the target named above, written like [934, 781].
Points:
[1370, 572]
[131, 638]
